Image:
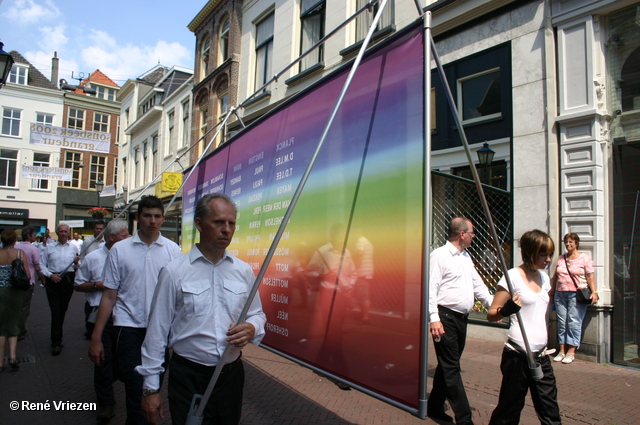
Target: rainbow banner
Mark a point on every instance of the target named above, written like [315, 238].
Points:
[343, 290]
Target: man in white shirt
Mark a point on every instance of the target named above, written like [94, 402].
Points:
[33, 253]
[453, 283]
[195, 309]
[58, 265]
[88, 245]
[76, 241]
[130, 278]
[89, 280]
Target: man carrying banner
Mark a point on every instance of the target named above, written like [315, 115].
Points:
[453, 282]
[195, 306]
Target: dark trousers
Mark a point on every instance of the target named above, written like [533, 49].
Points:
[25, 309]
[447, 381]
[188, 378]
[59, 294]
[129, 355]
[516, 381]
[105, 374]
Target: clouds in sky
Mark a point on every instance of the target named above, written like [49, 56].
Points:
[121, 41]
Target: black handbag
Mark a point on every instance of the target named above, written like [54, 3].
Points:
[583, 295]
[19, 278]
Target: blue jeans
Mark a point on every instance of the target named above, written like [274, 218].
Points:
[570, 316]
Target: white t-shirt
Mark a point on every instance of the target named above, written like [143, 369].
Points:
[132, 268]
[533, 311]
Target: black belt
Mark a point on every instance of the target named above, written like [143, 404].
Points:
[517, 348]
[189, 363]
[453, 312]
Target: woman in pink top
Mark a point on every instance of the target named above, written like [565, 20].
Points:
[571, 313]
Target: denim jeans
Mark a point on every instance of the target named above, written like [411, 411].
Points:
[570, 316]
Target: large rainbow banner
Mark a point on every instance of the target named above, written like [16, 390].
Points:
[343, 291]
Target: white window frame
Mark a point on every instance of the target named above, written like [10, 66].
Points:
[223, 39]
[75, 118]
[186, 124]
[37, 184]
[74, 164]
[8, 166]
[44, 118]
[264, 49]
[19, 74]
[13, 118]
[103, 126]
[312, 10]
[460, 83]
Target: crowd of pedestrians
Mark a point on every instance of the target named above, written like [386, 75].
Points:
[143, 297]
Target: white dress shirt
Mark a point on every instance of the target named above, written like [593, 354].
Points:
[91, 270]
[533, 311]
[57, 256]
[132, 268]
[194, 304]
[454, 281]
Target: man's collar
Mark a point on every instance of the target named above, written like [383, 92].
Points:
[195, 253]
[453, 249]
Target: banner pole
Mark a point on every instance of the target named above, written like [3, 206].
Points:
[199, 402]
[536, 370]
[426, 229]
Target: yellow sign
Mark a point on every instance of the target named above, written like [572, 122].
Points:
[169, 184]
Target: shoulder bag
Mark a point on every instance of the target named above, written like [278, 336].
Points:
[583, 295]
[18, 278]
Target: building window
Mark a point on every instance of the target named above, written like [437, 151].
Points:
[365, 19]
[154, 154]
[312, 18]
[11, 122]
[223, 109]
[46, 119]
[97, 172]
[171, 131]
[136, 165]
[76, 119]
[8, 167]
[264, 50]
[73, 160]
[203, 129]
[204, 57]
[186, 125]
[479, 96]
[18, 75]
[124, 173]
[224, 39]
[145, 162]
[101, 122]
[40, 160]
[103, 92]
[630, 82]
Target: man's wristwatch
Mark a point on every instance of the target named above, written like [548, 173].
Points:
[146, 392]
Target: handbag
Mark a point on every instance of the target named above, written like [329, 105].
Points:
[583, 295]
[19, 278]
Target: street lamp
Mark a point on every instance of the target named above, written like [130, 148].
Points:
[485, 158]
[99, 187]
[6, 62]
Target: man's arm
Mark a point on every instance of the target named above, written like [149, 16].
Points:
[435, 278]
[163, 310]
[96, 350]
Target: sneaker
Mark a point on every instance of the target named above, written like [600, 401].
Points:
[559, 357]
[568, 359]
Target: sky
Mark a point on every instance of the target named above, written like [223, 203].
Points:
[123, 39]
